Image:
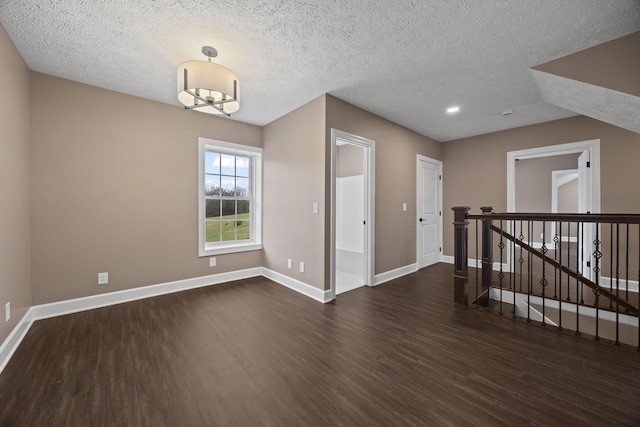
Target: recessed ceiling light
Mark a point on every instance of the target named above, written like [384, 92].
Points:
[453, 110]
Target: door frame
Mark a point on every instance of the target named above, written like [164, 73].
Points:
[369, 182]
[419, 192]
[592, 145]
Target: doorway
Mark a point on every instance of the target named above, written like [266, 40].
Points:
[589, 185]
[352, 212]
[428, 211]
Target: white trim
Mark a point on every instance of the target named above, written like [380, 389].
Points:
[438, 163]
[571, 239]
[557, 150]
[606, 315]
[45, 311]
[395, 273]
[551, 245]
[14, 339]
[60, 308]
[255, 178]
[297, 285]
[606, 282]
[521, 305]
[370, 174]
[471, 262]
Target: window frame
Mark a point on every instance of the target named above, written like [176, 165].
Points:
[255, 190]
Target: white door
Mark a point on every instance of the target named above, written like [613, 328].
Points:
[429, 211]
[584, 206]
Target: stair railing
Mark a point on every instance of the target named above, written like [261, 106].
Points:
[583, 266]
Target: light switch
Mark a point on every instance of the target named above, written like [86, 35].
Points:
[404, 207]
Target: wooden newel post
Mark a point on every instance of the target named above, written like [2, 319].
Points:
[460, 262]
[487, 249]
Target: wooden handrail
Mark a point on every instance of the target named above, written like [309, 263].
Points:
[561, 217]
[598, 289]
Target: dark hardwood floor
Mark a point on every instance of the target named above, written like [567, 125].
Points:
[253, 352]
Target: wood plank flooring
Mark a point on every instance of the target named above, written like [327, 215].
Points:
[253, 352]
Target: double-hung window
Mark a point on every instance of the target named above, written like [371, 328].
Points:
[230, 197]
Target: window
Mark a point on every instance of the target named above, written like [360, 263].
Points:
[230, 198]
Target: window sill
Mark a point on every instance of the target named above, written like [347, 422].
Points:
[229, 249]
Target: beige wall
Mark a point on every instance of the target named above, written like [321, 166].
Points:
[15, 275]
[294, 159]
[475, 168]
[349, 160]
[533, 188]
[114, 188]
[533, 181]
[568, 197]
[614, 65]
[396, 149]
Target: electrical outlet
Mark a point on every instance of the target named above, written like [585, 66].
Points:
[289, 263]
[301, 267]
[103, 278]
[7, 311]
[315, 208]
[212, 261]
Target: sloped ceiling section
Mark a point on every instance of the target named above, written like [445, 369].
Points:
[607, 105]
[602, 82]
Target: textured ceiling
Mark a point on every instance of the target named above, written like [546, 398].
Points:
[607, 105]
[405, 60]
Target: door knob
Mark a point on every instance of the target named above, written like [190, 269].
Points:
[420, 219]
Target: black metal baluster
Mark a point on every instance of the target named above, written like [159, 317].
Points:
[513, 268]
[569, 263]
[501, 274]
[556, 272]
[559, 258]
[579, 270]
[477, 260]
[617, 284]
[626, 272]
[596, 270]
[582, 263]
[529, 271]
[611, 263]
[543, 281]
[521, 260]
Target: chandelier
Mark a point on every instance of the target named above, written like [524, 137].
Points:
[208, 87]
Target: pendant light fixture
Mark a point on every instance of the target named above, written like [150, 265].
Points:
[208, 87]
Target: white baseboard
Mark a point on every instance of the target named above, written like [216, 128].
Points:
[60, 308]
[606, 282]
[605, 315]
[296, 285]
[472, 263]
[395, 273]
[14, 339]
